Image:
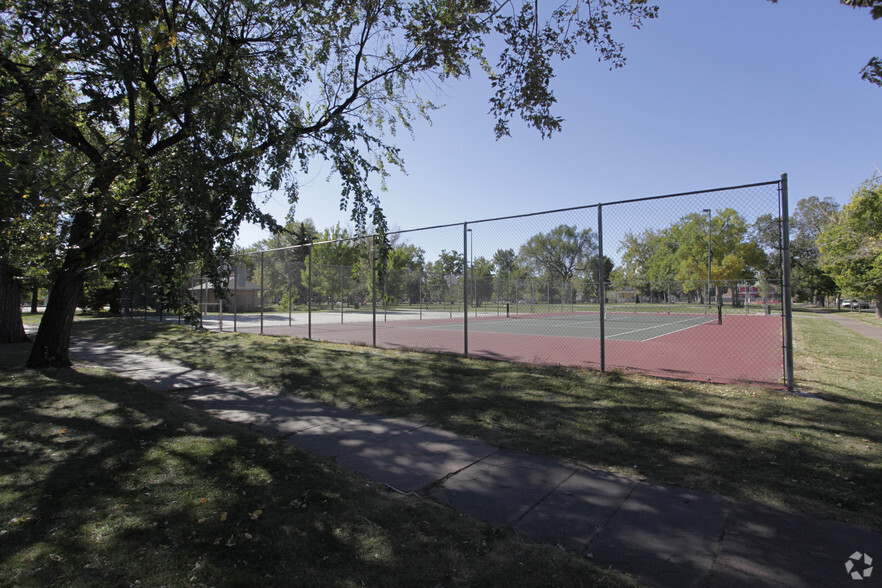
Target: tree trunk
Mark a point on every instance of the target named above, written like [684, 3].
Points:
[51, 347]
[11, 327]
[35, 299]
[879, 303]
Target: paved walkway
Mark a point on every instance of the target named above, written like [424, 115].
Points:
[661, 535]
[868, 330]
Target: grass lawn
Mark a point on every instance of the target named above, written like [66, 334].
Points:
[107, 483]
[865, 316]
[818, 456]
[821, 457]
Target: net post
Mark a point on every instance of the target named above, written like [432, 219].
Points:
[786, 301]
[601, 288]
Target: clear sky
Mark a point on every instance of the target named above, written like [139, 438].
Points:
[715, 93]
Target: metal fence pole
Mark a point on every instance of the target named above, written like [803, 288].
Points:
[309, 295]
[601, 287]
[374, 289]
[261, 293]
[202, 297]
[288, 271]
[180, 303]
[787, 302]
[465, 285]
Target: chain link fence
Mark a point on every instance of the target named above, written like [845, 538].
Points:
[690, 286]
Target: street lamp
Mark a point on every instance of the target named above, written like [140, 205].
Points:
[707, 300]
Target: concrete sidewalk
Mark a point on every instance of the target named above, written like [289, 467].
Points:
[867, 330]
[661, 535]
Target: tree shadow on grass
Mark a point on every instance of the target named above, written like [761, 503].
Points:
[108, 483]
[741, 441]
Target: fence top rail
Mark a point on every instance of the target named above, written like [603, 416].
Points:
[526, 215]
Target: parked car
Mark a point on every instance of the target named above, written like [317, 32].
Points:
[855, 304]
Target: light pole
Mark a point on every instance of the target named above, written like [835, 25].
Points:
[707, 300]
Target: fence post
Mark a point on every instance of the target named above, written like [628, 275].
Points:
[465, 287]
[180, 303]
[309, 294]
[202, 297]
[289, 269]
[601, 287]
[787, 303]
[374, 288]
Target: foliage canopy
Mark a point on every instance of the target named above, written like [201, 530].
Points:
[182, 111]
[851, 247]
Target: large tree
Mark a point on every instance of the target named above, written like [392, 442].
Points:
[811, 218]
[851, 245]
[37, 178]
[680, 253]
[561, 253]
[182, 109]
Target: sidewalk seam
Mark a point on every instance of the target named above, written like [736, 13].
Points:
[722, 536]
[609, 519]
[512, 524]
[431, 485]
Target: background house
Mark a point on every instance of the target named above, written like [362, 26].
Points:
[244, 296]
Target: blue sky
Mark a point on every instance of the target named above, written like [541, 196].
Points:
[715, 93]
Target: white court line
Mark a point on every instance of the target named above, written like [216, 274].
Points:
[580, 325]
[660, 326]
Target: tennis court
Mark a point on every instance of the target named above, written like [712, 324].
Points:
[530, 287]
[581, 325]
[683, 346]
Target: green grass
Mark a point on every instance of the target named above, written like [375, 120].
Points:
[821, 457]
[866, 316]
[30, 318]
[107, 483]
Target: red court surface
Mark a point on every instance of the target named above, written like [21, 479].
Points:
[742, 349]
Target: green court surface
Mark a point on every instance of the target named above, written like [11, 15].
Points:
[623, 327]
